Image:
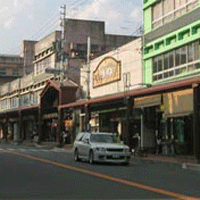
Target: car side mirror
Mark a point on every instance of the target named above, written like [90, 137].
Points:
[86, 141]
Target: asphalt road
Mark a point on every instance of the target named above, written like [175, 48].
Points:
[27, 178]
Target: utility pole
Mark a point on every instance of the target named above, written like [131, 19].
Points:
[62, 54]
[87, 107]
[62, 51]
[88, 66]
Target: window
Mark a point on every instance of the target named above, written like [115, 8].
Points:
[155, 65]
[157, 14]
[160, 63]
[183, 55]
[14, 103]
[15, 72]
[167, 10]
[181, 60]
[190, 53]
[177, 57]
[166, 61]
[2, 71]
[171, 59]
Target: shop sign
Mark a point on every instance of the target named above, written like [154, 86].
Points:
[179, 102]
[108, 70]
[50, 115]
[69, 122]
[162, 107]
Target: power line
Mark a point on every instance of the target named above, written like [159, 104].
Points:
[53, 24]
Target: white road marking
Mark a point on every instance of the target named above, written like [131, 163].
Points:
[11, 149]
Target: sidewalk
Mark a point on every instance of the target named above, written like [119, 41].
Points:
[186, 162]
[173, 159]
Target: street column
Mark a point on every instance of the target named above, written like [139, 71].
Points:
[196, 119]
[40, 124]
[87, 117]
[129, 111]
[60, 126]
[20, 126]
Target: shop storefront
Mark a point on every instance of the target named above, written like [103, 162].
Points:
[177, 122]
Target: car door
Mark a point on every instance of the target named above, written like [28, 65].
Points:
[86, 145]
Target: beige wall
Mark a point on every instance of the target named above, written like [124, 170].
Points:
[47, 41]
[130, 57]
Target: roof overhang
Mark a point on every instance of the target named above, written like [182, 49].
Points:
[155, 89]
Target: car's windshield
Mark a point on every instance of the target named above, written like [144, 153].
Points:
[103, 138]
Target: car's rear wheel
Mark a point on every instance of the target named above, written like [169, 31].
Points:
[91, 157]
[76, 155]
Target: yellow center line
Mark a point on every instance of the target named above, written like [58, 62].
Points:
[99, 175]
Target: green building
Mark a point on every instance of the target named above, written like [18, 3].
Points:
[171, 55]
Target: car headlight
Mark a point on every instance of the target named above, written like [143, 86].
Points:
[100, 149]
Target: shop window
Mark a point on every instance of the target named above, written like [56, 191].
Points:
[183, 55]
[171, 73]
[190, 53]
[2, 71]
[166, 61]
[166, 74]
[155, 78]
[181, 60]
[191, 68]
[177, 57]
[196, 66]
[155, 65]
[171, 59]
[180, 70]
[160, 63]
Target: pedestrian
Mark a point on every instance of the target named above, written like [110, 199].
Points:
[158, 144]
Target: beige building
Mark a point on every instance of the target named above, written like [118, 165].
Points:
[117, 71]
[20, 99]
[11, 67]
[28, 53]
[15, 66]
[48, 50]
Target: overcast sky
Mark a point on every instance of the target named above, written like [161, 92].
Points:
[33, 19]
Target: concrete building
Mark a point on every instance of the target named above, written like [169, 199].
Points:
[11, 67]
[117, 71]
[171, 56]
[23, 102]
[47, 50]
[15, 66]
[115, 78]
[28, 54]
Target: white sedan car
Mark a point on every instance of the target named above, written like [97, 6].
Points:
[100, 147]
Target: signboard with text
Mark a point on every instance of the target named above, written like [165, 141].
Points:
[108, 70]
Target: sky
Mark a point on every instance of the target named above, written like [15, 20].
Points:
[34, 19]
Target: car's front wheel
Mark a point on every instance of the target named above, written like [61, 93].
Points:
[91, 157]
[76, 155]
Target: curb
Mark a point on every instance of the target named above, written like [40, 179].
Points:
[189, 166]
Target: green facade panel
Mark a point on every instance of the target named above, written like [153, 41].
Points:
[147, 17]
[147, 71]
[173, 40]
